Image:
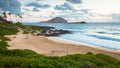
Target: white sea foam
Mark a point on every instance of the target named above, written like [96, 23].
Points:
[110, 44]
[105, 35]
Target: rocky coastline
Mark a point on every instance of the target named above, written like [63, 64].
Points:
[51, 31]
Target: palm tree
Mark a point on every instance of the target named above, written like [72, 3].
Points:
[4, 18]
[19, 18]
[10, 16]
[4, 15]
[0, 13]
[16, 18]
[1, 18]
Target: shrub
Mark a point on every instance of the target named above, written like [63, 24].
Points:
[4, 38]
[89, 53]
[25, 32]
[3, 45]
[29, 59]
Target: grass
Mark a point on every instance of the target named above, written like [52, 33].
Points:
[28, 29]
[29, 59]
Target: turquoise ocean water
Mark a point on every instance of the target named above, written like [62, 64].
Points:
[106, 35]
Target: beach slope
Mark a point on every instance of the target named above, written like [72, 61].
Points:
[45, 46]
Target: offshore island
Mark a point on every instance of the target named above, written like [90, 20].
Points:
[23, 46]
[61, 20]
[59, 34]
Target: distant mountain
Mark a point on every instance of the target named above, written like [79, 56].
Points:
[56, 20]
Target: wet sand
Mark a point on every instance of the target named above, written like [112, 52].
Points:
[53, 47]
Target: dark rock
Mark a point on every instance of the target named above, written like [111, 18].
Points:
[47, 28]
[81, 22]
[51, 31]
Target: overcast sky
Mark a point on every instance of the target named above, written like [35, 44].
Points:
[72, 10]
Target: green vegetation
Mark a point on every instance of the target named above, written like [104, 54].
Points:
[28, 29]
[29, 59]
[8, 29]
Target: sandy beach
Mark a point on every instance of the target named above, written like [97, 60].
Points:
[53, 47]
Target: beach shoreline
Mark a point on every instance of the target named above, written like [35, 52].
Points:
[65, 41]
[51, 47]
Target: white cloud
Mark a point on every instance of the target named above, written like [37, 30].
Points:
[95, 10]
[14, 6]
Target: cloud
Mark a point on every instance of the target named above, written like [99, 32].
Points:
[74, 1]
[35, 10]
[26, 9]
[11, 5]
[115, 17]
[65, 6]
[76, 15]
[35, 4]
[85, 10]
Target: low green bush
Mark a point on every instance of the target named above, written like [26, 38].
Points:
[25, 32]
[4, 38]
[3, 45]
[29, 59]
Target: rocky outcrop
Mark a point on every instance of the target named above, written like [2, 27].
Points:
[51, 31]
[55, 20]
[81, 22]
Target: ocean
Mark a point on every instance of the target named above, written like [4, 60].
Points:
[105, 35]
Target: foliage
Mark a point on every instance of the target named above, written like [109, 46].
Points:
[25, 32]
[4, 38]
[29, 59]
[34, 60]
[8, 29]
[3, 45]
[28, 29]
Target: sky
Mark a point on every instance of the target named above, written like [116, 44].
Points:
[71, 10]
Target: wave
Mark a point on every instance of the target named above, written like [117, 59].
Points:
[105, 43]
[106, 35]
[106, 38]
